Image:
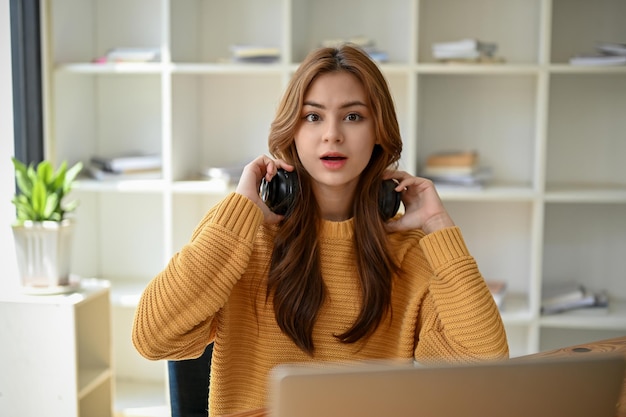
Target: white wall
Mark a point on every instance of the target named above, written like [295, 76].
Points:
[8, 275]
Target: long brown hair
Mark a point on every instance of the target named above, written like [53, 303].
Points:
[295, 278]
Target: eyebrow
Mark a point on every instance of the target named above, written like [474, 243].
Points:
[343, 106]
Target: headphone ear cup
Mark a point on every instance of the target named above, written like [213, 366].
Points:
[280, 193]
[388, 199]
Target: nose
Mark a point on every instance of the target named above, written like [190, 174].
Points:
[332, 132]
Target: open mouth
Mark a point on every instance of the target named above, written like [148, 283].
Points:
[333, 158]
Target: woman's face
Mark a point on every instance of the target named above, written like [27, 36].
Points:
[335, 136]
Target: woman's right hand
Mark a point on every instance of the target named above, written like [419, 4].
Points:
[250, 182]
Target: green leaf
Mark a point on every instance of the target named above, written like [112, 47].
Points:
[70, 176]
[38, 199]
[24, 208]
[51, 205]
[45, 172]
[32, 174]
[59, 177]
[24, 183]
[71, 206]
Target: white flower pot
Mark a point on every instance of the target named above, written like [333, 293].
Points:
[43, 254]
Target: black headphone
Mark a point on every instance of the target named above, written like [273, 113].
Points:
[280, 194]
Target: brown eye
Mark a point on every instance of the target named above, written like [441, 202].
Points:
[353, 117]
[311, 117]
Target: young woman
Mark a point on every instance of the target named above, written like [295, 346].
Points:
[331, 280]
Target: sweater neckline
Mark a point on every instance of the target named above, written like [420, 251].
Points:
[337, 229]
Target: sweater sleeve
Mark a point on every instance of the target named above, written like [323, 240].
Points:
[174, 318]
[458, 320]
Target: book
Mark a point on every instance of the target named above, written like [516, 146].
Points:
[129, 162]
[567, 296]
[142, 174]
[255, 53]
[228, 174]
[453, 158]
[124, 54]
[611, 48]
[456, 169]
[561, 292]
[467, 44]
[597, 60]
[368, 45]
[470, 49]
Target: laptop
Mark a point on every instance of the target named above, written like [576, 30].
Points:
[587, 386]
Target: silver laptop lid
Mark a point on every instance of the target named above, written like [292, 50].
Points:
[543, 387]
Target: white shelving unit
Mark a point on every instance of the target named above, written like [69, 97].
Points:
[552, 133]
[56, 355]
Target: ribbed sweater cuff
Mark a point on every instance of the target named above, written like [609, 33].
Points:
[240, 215]
[443, 246]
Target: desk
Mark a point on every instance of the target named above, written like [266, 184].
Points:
[602, 346]
[617, 345]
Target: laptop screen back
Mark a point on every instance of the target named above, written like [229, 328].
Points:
[563, 387]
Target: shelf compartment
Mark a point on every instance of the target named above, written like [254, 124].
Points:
[501, 129]
[99, 25]
[204, 31]
[614, 319]
[585, 130]
[106, 114]
[498, 237]
[585, 243]
[577, 25]
[102, 219]
[218, 122]
[585, 193]
[513, 25]
[388, 24]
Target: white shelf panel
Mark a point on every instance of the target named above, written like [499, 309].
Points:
[118, 68]
[126, 293]
[496, 69]
[614, 319]
[133, 186]
[203, 187]
[576, 69]
[226, 68]
[488, 193]
[575, 193]
[90, 379]
[140, 399]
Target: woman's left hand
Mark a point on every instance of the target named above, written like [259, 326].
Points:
[423, 208]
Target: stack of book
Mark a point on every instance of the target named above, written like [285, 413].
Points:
[122, 167]
[117, 55]
[466, 51]
[227, 174]
[254, 53]
[572, 296]
[457, 169]
[368, 45]
[606, 53]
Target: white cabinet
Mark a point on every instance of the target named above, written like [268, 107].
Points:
[552, 133]
[56, 353]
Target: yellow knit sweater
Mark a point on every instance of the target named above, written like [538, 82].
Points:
[214, 289]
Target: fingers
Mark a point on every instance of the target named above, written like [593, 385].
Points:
[407, 181]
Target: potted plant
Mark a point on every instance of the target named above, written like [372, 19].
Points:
[42, 229]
